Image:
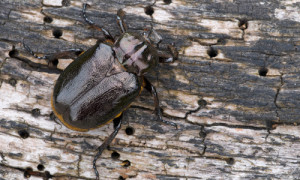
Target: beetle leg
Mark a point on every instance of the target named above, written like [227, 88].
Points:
[91, 23]
[68, 54]
[105, 144]
[120, 20]
[37, 66]
[152, 90]
[165, 57]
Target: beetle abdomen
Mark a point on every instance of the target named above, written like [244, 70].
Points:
[93, 90]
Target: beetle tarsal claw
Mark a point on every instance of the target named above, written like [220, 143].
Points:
[121, 13]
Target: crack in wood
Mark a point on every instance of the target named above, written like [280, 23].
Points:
[276, 96]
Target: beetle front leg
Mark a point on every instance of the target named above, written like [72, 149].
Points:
[152, 90]
[120, 21]
[165, 57]
[105, 144]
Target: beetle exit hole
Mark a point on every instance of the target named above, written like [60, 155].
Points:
[28, 171]
[40, 167]
[263, 71]
[48, 19]
[35, 112]
[126, 163]
[52, 116]
[13, 53]
[230, 161]
[212, 52]
[23, 133]
[57, 33]
[149, 10]
[53, 63]
[167, 1]
[66, 3]
[115, 155]
[243, 24]
[121, 178]
[129, 130]
[12, 82]
[202, 103]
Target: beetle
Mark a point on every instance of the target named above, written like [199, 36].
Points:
[104, 80]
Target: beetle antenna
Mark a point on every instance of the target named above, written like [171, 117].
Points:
[90, 22]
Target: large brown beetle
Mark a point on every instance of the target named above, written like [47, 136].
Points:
[104, 80]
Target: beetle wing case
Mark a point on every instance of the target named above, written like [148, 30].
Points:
[93, 89]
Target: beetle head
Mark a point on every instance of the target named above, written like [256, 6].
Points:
[135, 53]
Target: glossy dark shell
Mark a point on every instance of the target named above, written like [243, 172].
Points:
[93, 89]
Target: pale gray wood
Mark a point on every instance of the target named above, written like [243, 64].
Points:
[233, 122]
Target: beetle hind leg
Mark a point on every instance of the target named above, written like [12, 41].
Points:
[152, 90]
[51, 59]
[105, 144]
[68, 54]
[36, 66]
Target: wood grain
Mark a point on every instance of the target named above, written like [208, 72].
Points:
[234, 92]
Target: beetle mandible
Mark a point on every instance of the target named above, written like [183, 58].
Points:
[102, 81]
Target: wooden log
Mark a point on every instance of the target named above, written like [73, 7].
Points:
[233, 92]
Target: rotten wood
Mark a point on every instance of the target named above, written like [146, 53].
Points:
[233, 92]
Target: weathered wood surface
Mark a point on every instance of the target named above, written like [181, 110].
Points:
[234, 92]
